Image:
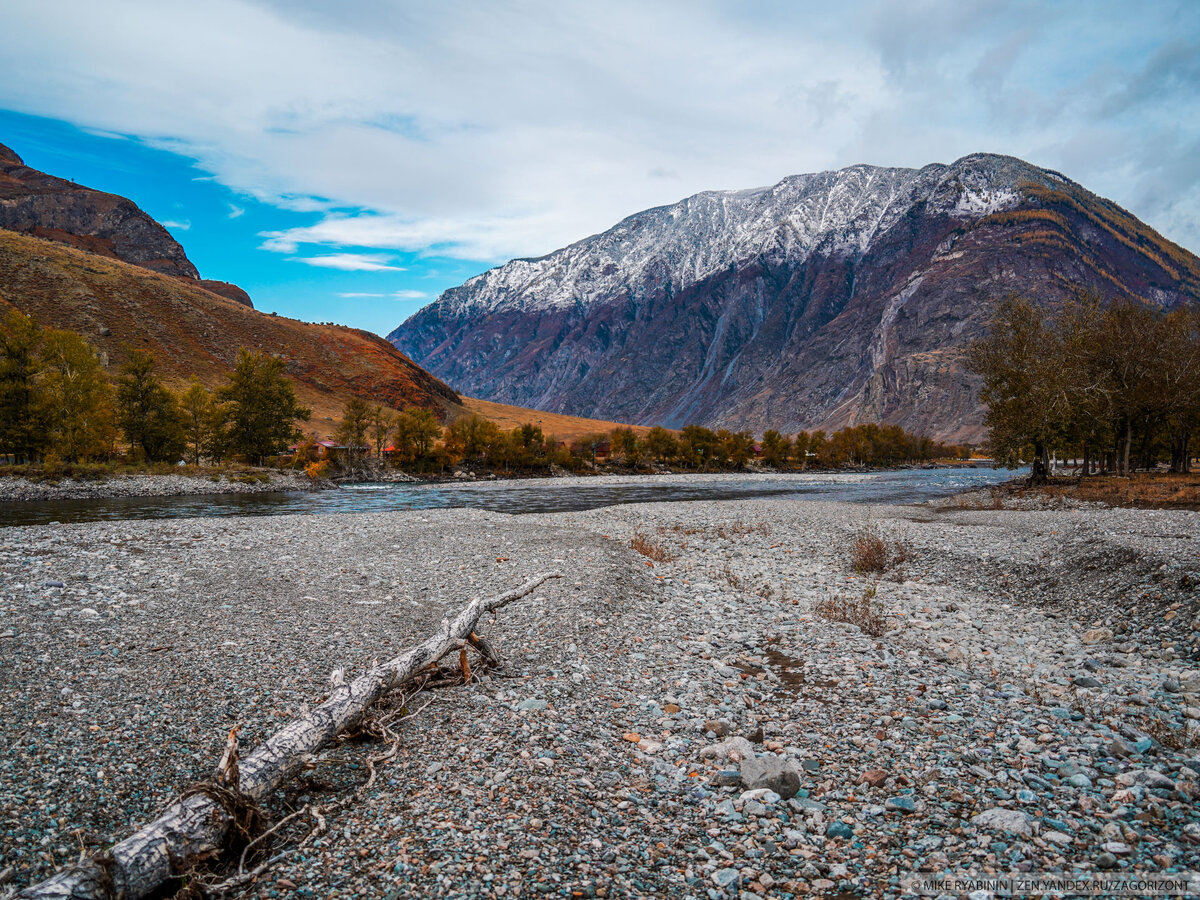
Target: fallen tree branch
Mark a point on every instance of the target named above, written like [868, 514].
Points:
[197, 825]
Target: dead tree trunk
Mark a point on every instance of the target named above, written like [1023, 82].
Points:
[197, 825]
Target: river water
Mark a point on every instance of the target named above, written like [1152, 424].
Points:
[523, 496]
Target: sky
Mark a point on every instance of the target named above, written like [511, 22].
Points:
[347, 162]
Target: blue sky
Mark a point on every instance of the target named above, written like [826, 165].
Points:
[223, 230]
[347, 162]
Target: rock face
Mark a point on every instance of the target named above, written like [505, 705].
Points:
[35, 203]
[825, 300]
[226, 290]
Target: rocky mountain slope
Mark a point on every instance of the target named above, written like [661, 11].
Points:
[825, 300]
[32, 202]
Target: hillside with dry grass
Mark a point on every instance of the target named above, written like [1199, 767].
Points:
[120, 307]
[565, 428]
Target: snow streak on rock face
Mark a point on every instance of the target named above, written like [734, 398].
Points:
[825, 300]
[827, 213]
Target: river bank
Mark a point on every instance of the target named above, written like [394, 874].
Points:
[1036, 663]
[20, 489]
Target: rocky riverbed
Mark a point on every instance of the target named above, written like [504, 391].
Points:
[690, 726]
[20, 489]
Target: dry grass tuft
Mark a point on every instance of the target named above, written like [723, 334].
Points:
[648, 547]
[865, 612]
[873, 554]
[1165, 734]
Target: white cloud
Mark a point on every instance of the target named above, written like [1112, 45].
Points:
[351, 262]
[410, 295]
[178, 226]
[492, 130]
[236, 211]
[350, 294]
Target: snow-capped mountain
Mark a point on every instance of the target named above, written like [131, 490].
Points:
[826, 299]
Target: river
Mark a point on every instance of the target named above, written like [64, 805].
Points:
[520, 496]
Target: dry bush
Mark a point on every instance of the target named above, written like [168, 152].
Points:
[738, 529]
[872, 553]
[677, 529]
[733, 579]
[1171, 738]
[866, 612]
[648, 547]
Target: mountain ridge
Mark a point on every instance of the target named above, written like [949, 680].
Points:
[823, 300]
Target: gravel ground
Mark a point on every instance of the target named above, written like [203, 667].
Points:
[1017, 715]
[17, 489]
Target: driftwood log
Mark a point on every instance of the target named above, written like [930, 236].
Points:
[196, 826]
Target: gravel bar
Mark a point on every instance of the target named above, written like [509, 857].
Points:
[16, 489]
[687, 727]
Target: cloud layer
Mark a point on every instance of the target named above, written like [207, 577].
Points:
[486, 131]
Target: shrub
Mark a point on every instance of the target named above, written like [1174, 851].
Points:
[865, 612]
[872, 553]
[317, 470]
[648, 547]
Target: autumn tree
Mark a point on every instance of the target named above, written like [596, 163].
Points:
[354, 427]
[416, 431]
[626, 445]
[75, 396]
[380, 427]
[198, 413]
[800, 447]
[147, 413]
[1180, 378]
[22, 431]
[471, 437]
[697, 446]
[259, 407]
[734, 448]
[775, 448]
[661, 445]
[1024, 386]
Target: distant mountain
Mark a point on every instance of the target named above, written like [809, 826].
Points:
[45, 206]
[825, 300]
[96, 264]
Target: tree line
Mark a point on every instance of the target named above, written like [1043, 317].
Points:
[58, 403]
[414, 440]
[1116, 386]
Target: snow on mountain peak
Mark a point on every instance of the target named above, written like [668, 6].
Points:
[830, 213]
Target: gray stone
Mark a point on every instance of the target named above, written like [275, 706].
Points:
[1121, 748]
[531, 704]
[1146, 778]
[771, 772]
[1011, 821]
[734, 749]
[725, 877]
